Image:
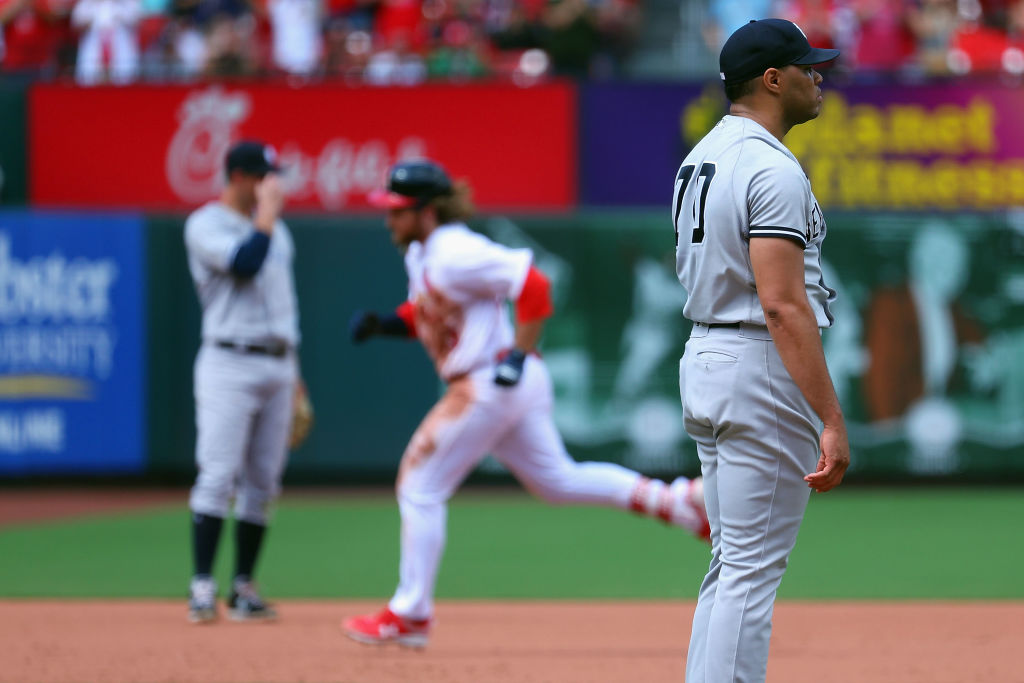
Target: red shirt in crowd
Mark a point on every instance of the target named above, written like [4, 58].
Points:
[34, 34]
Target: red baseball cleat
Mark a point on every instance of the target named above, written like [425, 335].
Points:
[387, 627]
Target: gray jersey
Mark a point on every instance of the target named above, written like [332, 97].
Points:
[741, 182]
[260, 309]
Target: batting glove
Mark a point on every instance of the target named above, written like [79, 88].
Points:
[363, 325]
[510, 369]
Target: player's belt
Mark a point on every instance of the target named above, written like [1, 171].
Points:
[276, 350]
[711, 326]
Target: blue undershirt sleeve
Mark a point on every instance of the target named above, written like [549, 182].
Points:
[251, 254]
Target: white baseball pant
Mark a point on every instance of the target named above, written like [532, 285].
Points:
[473, 418]
[757, 437]
[243, 416]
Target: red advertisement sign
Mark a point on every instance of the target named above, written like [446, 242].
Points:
[162, 147]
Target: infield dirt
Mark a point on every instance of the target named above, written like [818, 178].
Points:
[478, 642]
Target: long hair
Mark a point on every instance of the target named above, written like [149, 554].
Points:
[458, 206]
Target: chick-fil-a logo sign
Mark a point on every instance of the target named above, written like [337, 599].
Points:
[166, 148]
[209, 123]
[195, 155]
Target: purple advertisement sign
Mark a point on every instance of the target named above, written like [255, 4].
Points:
[631, 143]
[873, 147]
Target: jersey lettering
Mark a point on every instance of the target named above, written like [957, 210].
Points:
[696, 212]
[814, 223]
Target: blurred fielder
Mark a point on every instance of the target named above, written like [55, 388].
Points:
[247, 383]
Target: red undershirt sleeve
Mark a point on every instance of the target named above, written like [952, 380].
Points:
[534, 302]
[407, 312]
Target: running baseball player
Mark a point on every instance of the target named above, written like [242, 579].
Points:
[240, 255]
[498, 398]
[757, 397]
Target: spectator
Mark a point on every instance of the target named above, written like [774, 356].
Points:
[214, 38]
[396, 65]
[567, 31]
[358, 15]
[570, 35]
[1015, 24]
[108, 48]
[335, 51]
[407, 41]
[988, 40]
[295, 35]
[402, 18]
[814, 17]
[159, 61]
[186, 51]
[933, 23]
[228, 47]
[347, 53]
[462, 54]
[36, 36]
[977, 48]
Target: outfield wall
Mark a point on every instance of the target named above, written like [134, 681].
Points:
[919, 184]
[927, 353]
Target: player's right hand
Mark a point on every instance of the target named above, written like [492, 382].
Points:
[269, 199]
[834, 459]
[363, 325]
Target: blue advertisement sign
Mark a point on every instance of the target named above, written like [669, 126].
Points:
[71, 343]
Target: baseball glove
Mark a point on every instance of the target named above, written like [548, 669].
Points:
[302, 416]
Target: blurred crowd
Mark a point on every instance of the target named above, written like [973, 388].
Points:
[908, 38]
[381, 42]
[407, 42]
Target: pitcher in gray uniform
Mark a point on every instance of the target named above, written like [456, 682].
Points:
[757, 397]
[240, 255]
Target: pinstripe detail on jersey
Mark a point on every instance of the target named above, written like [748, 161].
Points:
[793, 234]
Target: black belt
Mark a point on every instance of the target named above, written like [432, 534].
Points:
[276, 350]
[733, 326]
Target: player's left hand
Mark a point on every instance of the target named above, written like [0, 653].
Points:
[835, 458]
[510, 369]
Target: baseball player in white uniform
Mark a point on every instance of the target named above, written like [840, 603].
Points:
[757, 397]
[499, 393]
[240, 255]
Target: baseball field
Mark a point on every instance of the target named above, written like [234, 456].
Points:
[890, 585]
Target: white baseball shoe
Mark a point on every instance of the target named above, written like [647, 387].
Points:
[245, 604]
[202, 600]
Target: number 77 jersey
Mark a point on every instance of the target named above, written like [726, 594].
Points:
[737, 184]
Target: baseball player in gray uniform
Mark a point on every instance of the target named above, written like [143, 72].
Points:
[757, 397]
[240, 255]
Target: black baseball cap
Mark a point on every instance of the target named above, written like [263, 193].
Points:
[412, 184]
[766, 43]
[252, 156]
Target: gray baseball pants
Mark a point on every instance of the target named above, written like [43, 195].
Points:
[757, 437]
[243, 415]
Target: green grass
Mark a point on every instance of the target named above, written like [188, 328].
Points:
[858, 544]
